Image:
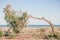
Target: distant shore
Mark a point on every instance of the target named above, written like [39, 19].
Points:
[31, 28]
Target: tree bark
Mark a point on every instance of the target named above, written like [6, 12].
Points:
[51, 24]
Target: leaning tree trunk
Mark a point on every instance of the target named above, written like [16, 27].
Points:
[51, 24]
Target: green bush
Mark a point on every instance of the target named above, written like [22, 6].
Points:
[53, 35]
[16, 22]
[1, 33]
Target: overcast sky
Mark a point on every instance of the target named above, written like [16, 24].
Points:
[50, 9]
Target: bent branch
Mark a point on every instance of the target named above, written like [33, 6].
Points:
[51, 24]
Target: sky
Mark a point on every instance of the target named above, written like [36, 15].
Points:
[50, 9]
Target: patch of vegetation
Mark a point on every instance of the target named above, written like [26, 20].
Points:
[1, 33]
[9, 35]
[42, 35]
[53, 36]
[17, 23]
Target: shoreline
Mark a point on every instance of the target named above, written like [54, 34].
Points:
[31, 29]
[26, 33]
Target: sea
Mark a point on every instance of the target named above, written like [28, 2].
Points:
[34, 26]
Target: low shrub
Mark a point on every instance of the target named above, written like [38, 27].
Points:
[53, 35]
[9, 35]
[1, 33]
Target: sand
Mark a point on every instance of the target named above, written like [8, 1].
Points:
[26, 33]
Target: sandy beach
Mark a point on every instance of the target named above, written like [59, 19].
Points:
[28, 29]
[26, 33]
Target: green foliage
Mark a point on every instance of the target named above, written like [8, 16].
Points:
[17, 23]
[1, 33]
[53, 35]
[41, 34]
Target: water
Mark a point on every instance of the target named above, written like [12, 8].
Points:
[3, 26]
[42, 26]
[34, 26]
